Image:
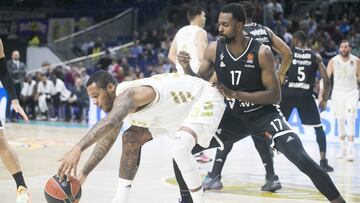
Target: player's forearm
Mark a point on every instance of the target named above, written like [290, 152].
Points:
[101, 149]
[100, 130]
[260, 97]
[188, 70]
[284, 66]
[326, 90]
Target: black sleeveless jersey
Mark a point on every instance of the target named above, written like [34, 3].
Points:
[240, 74]
[259, 33]
[301, 75]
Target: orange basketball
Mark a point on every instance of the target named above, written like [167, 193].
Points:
[60, 192]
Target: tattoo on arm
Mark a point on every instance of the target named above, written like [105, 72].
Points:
[101, 149]
[123, 104]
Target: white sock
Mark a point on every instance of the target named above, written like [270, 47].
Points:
[123, 191]
[343, 145]
[198, 197]
[350, 146]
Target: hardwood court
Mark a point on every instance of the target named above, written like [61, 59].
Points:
[39, 146]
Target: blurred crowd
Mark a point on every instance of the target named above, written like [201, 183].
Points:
[59, 93]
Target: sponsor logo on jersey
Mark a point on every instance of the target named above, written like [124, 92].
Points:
[250, 58]
[351, 63]
[301, 62]
[221, 56]
[258, 32]
[302, 56]
[289, 139]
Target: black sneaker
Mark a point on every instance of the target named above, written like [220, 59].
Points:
[325, 166]
[212, 183]
[272, 184]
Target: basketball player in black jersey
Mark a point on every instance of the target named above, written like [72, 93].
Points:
[246, 77]
[297, 91]
[266, 36]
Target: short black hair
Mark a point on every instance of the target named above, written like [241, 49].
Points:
[238, 11]
[345, 41]
[249, 8]
[101, 78]
[300, 35]
[194, 11]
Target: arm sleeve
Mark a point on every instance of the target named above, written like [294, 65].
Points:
[6, 80]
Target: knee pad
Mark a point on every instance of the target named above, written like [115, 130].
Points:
[183, 144]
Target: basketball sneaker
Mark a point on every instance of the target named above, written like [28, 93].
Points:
[325, 166]
[350, 155]
[272, 184]
[202, 158]
[342, 153]
[212, 183]
[23, 195]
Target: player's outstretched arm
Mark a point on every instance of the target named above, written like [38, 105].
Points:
[102, 147]
[9, 85]
[127, 102]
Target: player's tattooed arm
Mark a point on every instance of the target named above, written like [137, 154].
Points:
[122, 106]
[101, 149]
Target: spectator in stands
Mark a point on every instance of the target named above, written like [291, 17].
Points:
[79, 99]
[27, 96]
[83, 75]
[60, 97]
[104, 62]
[116, 70]
[17, 72]
[45, 89]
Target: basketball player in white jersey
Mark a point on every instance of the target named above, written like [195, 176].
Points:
[185, 107]
[191, 38]
[346, 70]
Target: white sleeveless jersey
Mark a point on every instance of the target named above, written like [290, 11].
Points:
[186, 41]
[175, 96]
[345, 73]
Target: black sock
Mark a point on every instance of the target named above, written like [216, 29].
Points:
[19, 179]
[220, 159]
[266, 155]
[321, 139]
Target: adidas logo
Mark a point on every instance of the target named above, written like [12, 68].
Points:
[218, 131]
[218, 160]
[222, 64]
[289, 139]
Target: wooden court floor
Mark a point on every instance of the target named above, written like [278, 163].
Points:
[40, 145]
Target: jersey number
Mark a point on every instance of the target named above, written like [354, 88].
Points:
[277, 125]
[301, 73]
[235, 77]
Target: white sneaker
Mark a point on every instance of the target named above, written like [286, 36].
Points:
[342, 153]
[23, 195]
[350, 156]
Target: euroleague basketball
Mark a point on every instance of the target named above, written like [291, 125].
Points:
[60, 192]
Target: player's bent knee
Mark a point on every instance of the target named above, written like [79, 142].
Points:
[183, 144]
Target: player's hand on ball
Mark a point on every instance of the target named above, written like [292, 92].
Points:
[230, 94]
[69, 163]
[184, 59]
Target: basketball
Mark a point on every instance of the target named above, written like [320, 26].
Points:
[60, 192]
